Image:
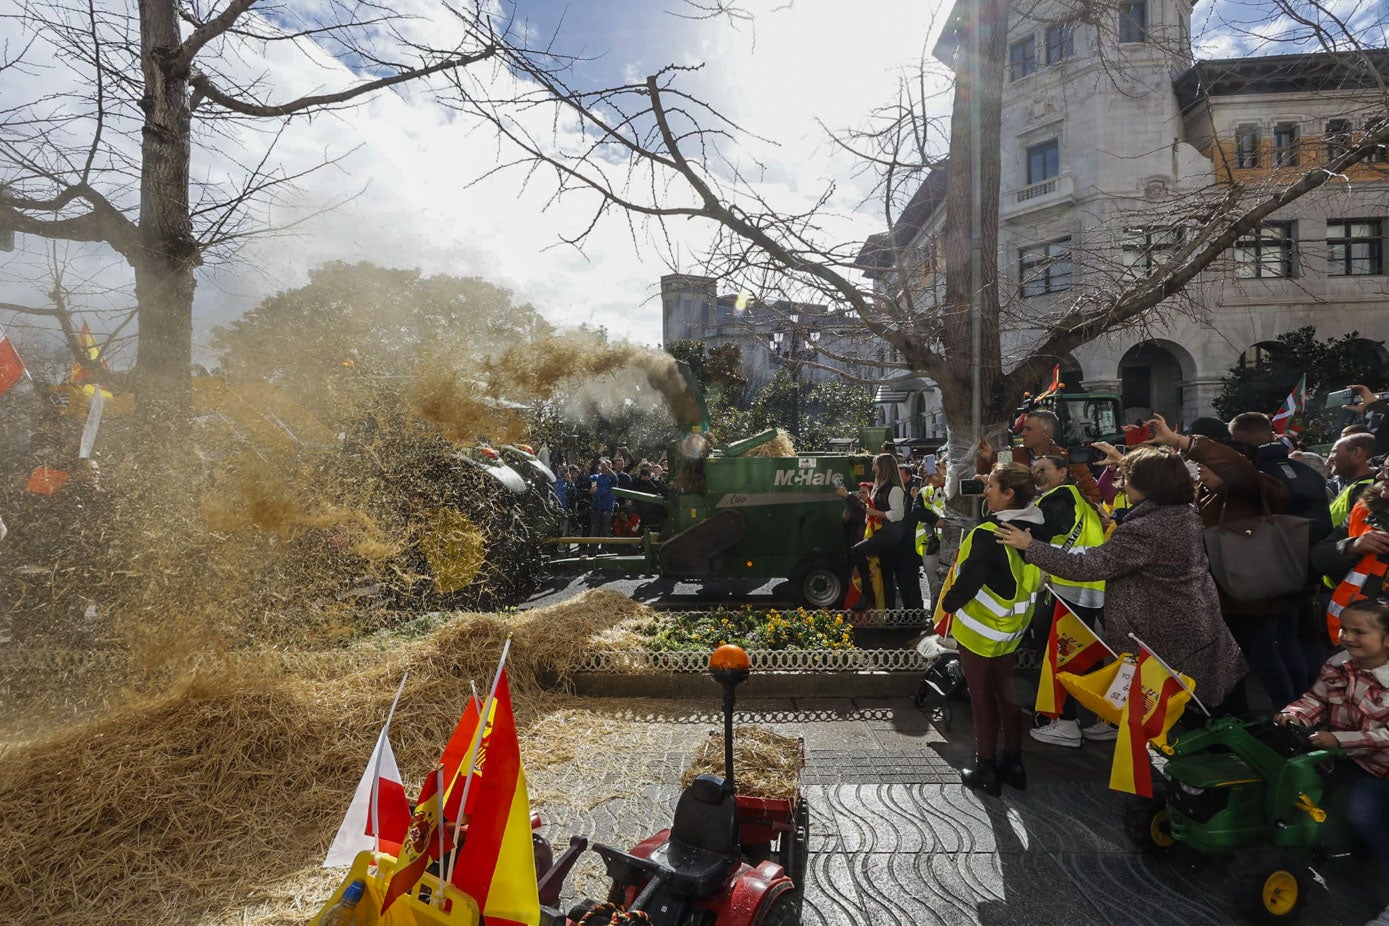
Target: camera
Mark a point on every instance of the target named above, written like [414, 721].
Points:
[1342, 397]
[1086, 455]
[971, 487]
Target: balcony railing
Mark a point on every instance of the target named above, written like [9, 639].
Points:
[1037, 189]
[1053, 191]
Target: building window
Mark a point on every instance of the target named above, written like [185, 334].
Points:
[1356, 247]
[1043, 161]
[1265, 253]
[1022, 58]
[1247, 146]
[1045, 268]
[1061, 42]
[1337, 138]
[1133, 21]
[1146, 249]
[1376, 154]
[1285, 144]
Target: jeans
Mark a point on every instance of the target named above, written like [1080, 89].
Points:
[1367, 809]
[1273, 651]
[600, 523]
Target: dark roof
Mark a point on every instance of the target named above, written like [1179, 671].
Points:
[877, 252]
[1316, 71]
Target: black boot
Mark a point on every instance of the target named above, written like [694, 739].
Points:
[983, 777]
[1011, 771]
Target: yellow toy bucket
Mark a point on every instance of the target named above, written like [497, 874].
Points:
[453, 908]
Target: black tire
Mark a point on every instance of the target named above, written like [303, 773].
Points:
[1145, 823]
[782, 910]
[794, 852]
[820, 583]
[1269, 885]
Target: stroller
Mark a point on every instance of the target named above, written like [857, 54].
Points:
[943, 683]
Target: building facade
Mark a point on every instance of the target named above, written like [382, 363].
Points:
[1113, 141]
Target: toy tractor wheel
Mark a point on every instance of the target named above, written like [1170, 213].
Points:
[782, 910]
[1271, 886]
[795, 851]
[1147, 826]
[819, 583]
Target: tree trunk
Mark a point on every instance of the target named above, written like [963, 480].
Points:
[169, 253]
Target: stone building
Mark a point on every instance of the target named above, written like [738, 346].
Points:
[805, 338]
[1108, 128]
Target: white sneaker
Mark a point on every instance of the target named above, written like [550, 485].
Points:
[1059, 733]
[1100, 732]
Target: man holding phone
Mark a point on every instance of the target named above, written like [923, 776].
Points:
[1037, 441]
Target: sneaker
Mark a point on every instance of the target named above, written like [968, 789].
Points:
[1059, 733]
[1100, 732]
[1381, 920]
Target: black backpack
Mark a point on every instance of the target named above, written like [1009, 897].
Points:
[1306, 488]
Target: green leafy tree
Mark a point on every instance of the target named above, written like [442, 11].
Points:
[1330, 364]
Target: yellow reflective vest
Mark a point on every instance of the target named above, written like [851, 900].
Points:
[1086, 532]
[990, 623]
[936, 502]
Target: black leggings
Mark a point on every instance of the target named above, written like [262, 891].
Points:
[883, 545]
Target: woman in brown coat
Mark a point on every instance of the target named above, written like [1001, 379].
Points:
[1158, 585]
[1233, 489]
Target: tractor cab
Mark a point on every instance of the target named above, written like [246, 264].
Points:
[1083, 418]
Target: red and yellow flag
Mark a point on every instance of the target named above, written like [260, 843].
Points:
[91, 350]
[496, 863]
[422, 843]
[1156, 699]
[940, 618]
[875, 575]
[456, 752]
[1071, 647]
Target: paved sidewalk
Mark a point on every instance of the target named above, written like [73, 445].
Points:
[896, 839]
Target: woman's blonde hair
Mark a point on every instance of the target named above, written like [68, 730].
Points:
[885, 471]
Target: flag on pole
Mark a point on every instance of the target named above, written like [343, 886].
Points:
[425, 840]
[941, 618]
[875, 575]
[455, 752]
[357, 834]
[1156, 699]
[1054, 386]
[1071, 647]
[495, 865]
[91, 350]
[11, 367]
[1287, 421]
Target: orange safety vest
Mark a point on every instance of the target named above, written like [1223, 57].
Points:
[1365, 579]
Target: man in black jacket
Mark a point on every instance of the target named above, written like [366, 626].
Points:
[1306, 487]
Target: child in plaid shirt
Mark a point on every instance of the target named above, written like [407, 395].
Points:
[1351, 696]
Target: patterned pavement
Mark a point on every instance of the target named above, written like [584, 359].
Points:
[895, 838]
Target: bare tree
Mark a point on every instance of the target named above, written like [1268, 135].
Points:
[109, 158]
[655, 153]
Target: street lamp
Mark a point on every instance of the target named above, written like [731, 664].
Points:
[793, 350]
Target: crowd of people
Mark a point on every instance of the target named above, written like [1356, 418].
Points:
[1123, 543]
[591, 508]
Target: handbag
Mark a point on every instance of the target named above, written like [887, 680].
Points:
[1264, 557]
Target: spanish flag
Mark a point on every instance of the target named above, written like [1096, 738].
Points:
[458, 748]
[1156, 699]
[875, 575]
[496, 863]
[940, 618]
[1071, 647]
[425, 841]
[91, 351]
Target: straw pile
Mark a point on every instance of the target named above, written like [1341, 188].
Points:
[171, 806]
[765, 764]
[779, 446]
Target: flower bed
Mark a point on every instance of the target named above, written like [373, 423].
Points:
[752, 630]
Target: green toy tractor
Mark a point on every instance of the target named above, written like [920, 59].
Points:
[1253, 794]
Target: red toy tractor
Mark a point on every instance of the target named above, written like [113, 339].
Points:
[717, 864]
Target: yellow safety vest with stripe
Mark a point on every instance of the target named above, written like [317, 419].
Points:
[936, 503]
[991, 624]
[1085, 533]
[1340, 507]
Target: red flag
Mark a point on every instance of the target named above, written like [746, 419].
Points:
[496, 865]
[456, 752]
[11, 367]
[1285, 420]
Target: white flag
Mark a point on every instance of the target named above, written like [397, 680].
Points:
[392, 810]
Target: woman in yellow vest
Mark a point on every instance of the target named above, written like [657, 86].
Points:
[990, 603]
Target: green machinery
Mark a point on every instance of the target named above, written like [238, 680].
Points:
[730, 515]
[1253, 795]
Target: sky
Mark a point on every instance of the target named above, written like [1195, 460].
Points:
[402, 189]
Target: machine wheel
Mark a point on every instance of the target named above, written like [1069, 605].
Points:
[783, 910]
[820, 583]
[1147, 826]
[1270, 885]
[794, 851]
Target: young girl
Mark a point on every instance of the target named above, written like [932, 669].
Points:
[990, 603]
[887, 505]
[1351, 696]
